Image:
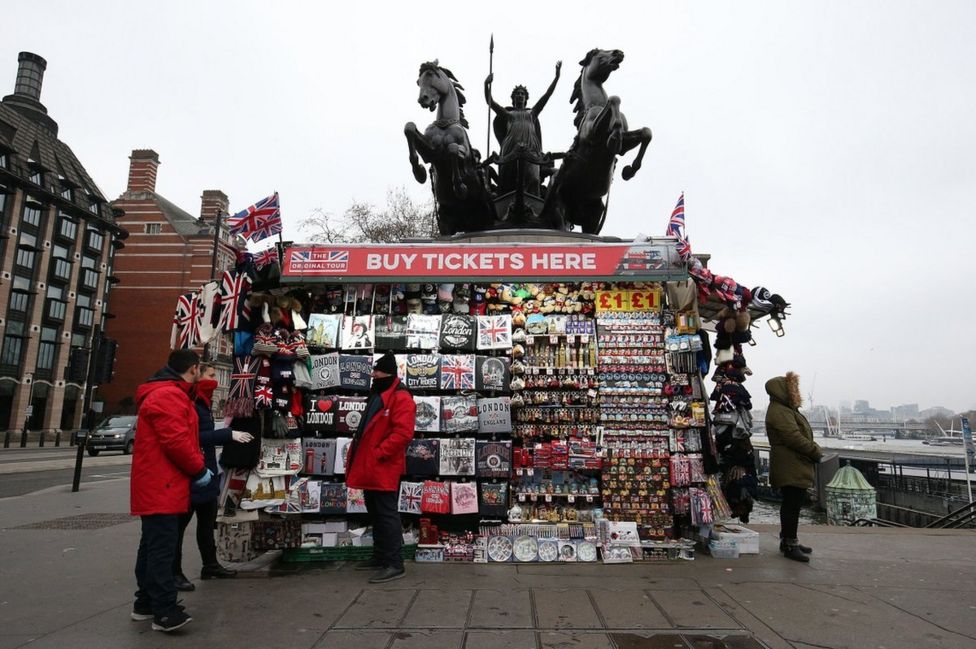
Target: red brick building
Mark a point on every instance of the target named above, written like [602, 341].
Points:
[168, 252]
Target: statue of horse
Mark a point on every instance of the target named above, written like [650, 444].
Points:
[577, 190]
[459, 185]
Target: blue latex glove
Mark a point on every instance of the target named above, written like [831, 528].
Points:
[204, 480]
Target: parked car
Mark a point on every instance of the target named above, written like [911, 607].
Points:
[116, 433]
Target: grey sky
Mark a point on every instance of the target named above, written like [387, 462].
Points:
[825, 148]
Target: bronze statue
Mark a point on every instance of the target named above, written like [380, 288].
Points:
[458, 184]
[577, 190]
[518, 131]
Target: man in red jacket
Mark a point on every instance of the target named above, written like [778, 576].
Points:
[377, 459]
[166, 458]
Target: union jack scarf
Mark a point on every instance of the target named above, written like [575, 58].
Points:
[234, 288]
[208, 306]
[240, 400]
[186, 324]
[676, 229]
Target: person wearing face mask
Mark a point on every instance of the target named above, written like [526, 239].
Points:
[203, 499]
[377, 459]
[165, 460]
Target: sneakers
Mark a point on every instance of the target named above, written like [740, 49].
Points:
[216, 572]
[141, 613]
[388, 574]
[171, 621]
[369, 564]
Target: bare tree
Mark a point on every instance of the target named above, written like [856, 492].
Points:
[363, 222]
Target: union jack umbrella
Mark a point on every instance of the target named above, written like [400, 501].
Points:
[233, 291]
[259, 221]
[265, 257]
[457, 372]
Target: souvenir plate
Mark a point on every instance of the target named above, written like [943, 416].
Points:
[586, 551]
[567, 551]
[526, 548]
[499, 548]
[548, 550]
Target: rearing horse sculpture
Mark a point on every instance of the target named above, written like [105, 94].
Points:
[459, 186]
[577, 191]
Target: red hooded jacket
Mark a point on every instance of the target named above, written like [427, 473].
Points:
[167, 453]
[378, 458]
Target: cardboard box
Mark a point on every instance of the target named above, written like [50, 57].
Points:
[746, 540]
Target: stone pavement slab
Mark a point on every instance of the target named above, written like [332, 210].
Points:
[629, 609]
[900, 589]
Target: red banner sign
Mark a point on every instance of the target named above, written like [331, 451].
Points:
[650, 261]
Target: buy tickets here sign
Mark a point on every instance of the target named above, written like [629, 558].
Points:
[433, 261]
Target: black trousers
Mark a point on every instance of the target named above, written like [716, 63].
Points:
[154, 563]
[387, 528]
[789, 511]
[206, 518]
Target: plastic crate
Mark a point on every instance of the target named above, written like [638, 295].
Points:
[727, 549]
[342, 553]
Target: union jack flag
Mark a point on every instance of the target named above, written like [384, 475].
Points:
[259, 221]
[233, 291]
[265, 257]
[676, 228]
[457, 372]
[411, 494]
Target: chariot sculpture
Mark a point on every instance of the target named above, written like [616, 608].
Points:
[522, 186]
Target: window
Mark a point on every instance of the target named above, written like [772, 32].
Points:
[153, 228]
[66, 194]
[3, 160]
[95, 240]
[20, 294]
[89, 279]
[13, 344]
[79, 340]
[56, 310]
[68, 228]
[93, 206]
[85, 317]
[25, 251]
[83, 299]
[48, 348]
[61, 266]
[37, 177]
[32, 213]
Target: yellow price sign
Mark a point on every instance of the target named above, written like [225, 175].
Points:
[612, 301]
[649, 300]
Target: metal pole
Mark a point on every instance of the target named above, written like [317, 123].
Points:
[491, 65]
[30, 411]
[89, 393]
[967, 442]
[213, 268]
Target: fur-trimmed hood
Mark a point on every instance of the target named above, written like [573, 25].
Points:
[785, 390]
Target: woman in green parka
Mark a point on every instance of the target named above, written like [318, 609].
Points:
[792, 458]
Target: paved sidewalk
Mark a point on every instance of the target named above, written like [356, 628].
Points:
[886, 589]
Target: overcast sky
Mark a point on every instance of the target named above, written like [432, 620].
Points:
[827, 150]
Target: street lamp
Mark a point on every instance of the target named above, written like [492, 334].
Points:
[29, 380]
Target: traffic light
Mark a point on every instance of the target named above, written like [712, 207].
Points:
[78, 365]
[105, 361]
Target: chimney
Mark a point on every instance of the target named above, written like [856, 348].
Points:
[27, 90]
[142, 170]
[212, 202]
[30, 75]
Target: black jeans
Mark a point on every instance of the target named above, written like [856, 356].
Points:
[789, 511]
[387, 528]
[154, 563]
[206, 518]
